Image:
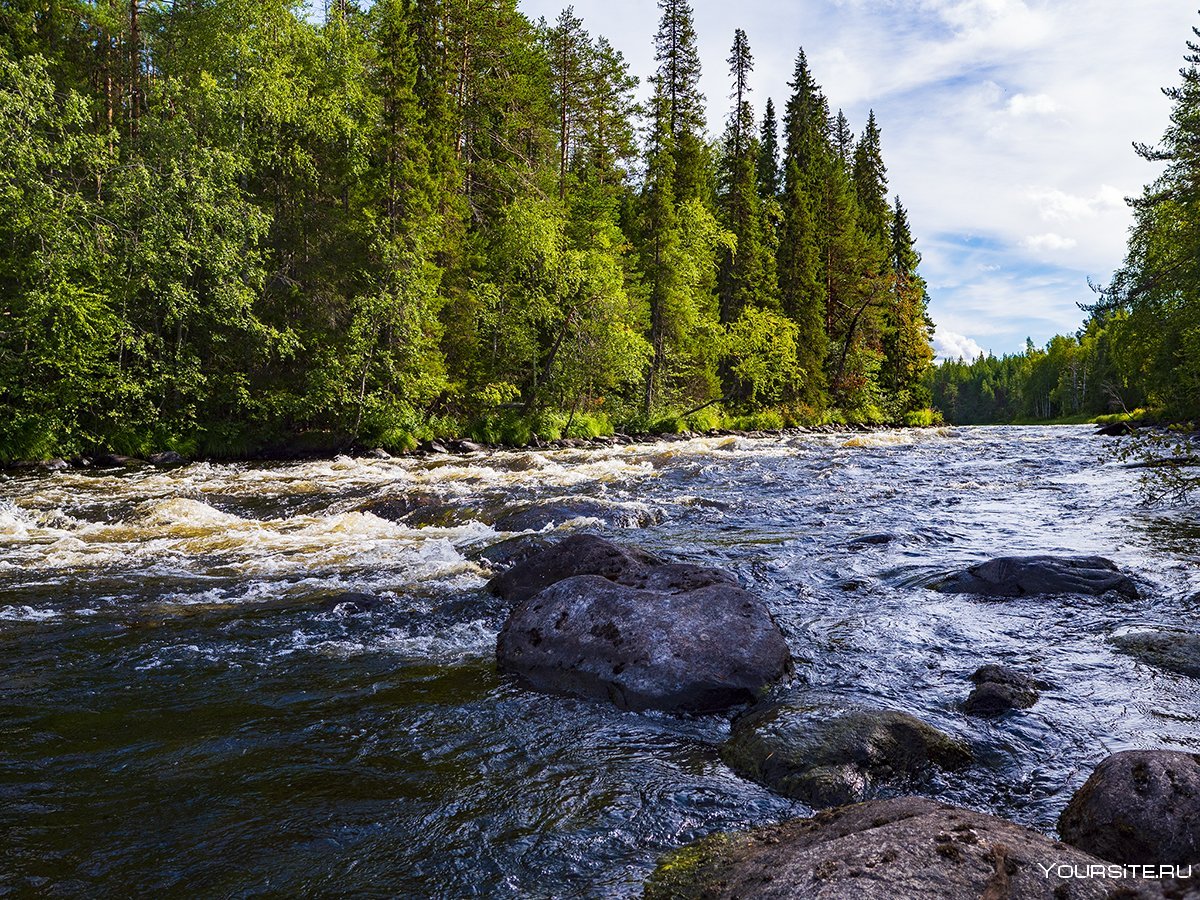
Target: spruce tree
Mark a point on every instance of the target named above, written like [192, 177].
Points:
[907, 348]
[660, 239]
[871, 184]
[677, 83]
[745, 275]
[768, 154]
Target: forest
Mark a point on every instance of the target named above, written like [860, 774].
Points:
[232, 227]
[1138, 352]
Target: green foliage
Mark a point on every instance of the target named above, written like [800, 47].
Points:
[230, 228]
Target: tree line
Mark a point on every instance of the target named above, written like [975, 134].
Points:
[227, 225]
[1139, 348]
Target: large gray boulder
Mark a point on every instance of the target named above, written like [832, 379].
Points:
[827, 756]
[1140, 807]
[907, 848]
[1024, 576]
[1172, 651]
[586, 554]
[671, 643]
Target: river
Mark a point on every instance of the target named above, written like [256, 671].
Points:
[180, 716]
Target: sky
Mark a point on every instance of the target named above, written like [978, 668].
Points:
[1007, 129]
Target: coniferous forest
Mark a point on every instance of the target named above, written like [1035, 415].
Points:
[232, 226]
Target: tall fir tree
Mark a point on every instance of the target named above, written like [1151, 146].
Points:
[871, 184]
[843, 139]
[768, 154]
[677, 82]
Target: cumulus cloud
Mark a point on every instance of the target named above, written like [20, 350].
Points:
[1060, 206]
[950, 345]
[1032, 105]
[1046, 243]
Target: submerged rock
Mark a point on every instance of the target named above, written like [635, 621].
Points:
[999, 690]
[1022, 576]
[899, 849]
[168, 458]
[829, 756]
[508, 553]
[1140, 807]
[350, 603]
[551, 514]
[1173, 651]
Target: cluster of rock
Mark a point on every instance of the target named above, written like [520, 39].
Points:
[595, 620]
[912, 847]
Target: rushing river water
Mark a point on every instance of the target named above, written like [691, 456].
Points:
[180, 715]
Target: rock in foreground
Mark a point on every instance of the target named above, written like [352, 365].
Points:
[901, 849]
[825, 756]
[636, 631]
[1172, 651]
[1140, 807]
[1026, 576]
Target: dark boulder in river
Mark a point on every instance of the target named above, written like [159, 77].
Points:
[998, 690]
[1025, 576]
[586, 554]
[907, 847]
[1140, 807]
[1172, 651]
[829, 756]
[600, 621]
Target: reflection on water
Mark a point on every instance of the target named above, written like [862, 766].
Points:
[181, 710]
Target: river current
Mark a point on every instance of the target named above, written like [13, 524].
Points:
[181, 713]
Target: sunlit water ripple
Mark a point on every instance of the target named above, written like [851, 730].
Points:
[180, 717]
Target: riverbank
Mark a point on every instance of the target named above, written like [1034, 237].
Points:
[438, 447]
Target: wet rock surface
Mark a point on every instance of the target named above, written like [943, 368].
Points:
[586, 554]
[1172, 651]
[1140, 807]
[907, 847]
[597, 620]
[1025, 576]
[350, 603]
[541, 516]
[999, 689]
[825, 756]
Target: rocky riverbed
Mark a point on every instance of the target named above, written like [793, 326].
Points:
[284, 676]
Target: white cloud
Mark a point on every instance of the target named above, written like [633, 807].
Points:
[1060, 206]
[949, 345]
[1032, 105]
[1043, 243]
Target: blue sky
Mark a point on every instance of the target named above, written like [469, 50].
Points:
[1007, 128]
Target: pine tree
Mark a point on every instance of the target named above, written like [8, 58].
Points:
[570, 65]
